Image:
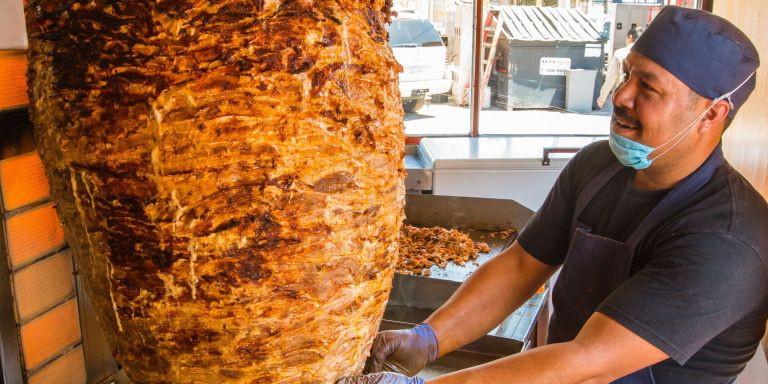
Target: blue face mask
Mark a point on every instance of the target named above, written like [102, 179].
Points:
[630, 152]
[635, 155]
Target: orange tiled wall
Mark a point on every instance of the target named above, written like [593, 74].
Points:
[13, 79]
[23, 181]
[42, 275]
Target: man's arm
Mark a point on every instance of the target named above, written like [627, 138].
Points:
[494, 290]
[602, 352]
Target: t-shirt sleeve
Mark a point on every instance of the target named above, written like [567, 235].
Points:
[691, 291]
[547, 233]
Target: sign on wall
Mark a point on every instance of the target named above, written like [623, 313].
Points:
[554, 66]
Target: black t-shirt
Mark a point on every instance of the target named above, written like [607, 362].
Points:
[698, 288]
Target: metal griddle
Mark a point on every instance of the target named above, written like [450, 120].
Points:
[414, 298]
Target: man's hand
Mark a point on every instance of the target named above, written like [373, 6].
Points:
[600, 103]
[403, 351]
[381, 378]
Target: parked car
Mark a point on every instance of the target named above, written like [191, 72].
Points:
[420, 50]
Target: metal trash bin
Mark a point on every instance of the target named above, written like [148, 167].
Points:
[536, 46]
[579, 89]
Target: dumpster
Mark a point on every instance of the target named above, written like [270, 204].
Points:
[536, 49]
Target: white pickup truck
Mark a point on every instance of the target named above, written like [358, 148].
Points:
[420, 50]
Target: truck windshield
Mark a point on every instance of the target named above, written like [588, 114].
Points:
[413, 33]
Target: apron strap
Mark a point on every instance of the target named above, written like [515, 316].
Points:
[594, 186]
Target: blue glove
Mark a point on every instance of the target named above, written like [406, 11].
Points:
[381, 378]
[403, 351]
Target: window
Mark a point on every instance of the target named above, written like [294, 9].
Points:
[426, 37]
[540, 68]
[413, 33]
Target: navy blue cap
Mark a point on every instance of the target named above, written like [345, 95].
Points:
[706, 52]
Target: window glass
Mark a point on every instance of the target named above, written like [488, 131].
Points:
[432, 40]
[413, 33]
[543, 68]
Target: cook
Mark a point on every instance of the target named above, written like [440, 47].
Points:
[663, 245]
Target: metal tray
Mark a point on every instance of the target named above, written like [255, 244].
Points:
[486, 349]
[414, 298]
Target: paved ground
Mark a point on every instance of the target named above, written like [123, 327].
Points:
[446, 119]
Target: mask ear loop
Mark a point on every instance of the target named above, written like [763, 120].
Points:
[728, 95]
[730, 103]
[680, 136]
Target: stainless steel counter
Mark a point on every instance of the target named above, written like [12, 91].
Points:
[414, 298]
[418, 176]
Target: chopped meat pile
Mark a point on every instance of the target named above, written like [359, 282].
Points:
[421, 248]
[503, 234]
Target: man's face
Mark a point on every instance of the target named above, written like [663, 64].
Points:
[652, 106]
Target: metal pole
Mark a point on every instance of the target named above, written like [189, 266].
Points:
[474, 100]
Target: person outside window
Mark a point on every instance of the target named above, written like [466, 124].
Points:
[615, 68]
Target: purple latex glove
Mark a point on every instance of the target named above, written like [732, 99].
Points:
[381, 378]
[405, 351]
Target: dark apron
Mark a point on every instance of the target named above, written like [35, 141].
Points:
[595, 265]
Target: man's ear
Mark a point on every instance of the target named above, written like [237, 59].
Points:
[716, 116]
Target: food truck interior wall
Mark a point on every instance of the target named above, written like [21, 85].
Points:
[746, 145]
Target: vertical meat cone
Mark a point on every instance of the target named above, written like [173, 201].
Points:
[229, 175]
